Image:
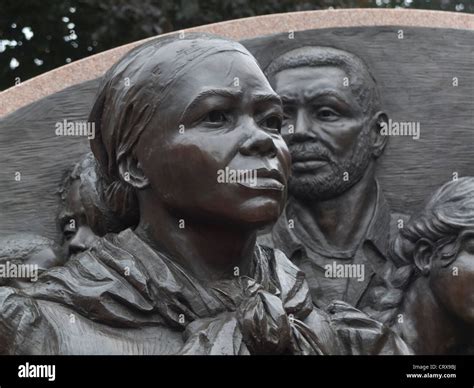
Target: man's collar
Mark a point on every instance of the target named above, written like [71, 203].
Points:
[379, 228]
[378, 231]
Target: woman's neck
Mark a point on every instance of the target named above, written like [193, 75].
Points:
[210, 250]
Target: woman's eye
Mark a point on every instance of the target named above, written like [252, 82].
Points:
[272, 122]
[289, 113]
[216, 117]
[327, 114]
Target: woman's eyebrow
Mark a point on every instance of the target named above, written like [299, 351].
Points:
[288, 100]
[225, 93]
[266, 98]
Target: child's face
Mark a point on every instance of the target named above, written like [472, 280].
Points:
[454, 285]
[76, 232]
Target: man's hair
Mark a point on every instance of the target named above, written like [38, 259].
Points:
[361, 81]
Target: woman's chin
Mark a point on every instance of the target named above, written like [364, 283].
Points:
[261, 212]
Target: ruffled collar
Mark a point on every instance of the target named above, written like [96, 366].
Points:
[123, 282]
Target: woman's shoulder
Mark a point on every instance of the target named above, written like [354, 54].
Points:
[34, 326]
[22, 324]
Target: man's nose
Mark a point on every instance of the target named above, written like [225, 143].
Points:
[303, 123]
[259, 143]
[81, 240]
[303, 128]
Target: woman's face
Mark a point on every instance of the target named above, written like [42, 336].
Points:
[215, 149]
[454, 285]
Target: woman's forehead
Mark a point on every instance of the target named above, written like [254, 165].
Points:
[238, 71]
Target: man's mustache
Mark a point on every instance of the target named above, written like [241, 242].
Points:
[309, 151]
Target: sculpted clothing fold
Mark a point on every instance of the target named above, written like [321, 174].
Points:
[123, 297]
[313, 257]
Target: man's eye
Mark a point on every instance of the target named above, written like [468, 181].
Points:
[327, 114]
[216, 117]
[272, 122]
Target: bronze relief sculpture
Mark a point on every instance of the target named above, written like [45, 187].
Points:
[160, 226]
[336, 207]
[436, 256]
[186, 276]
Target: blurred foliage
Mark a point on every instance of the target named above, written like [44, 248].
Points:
[38, 35]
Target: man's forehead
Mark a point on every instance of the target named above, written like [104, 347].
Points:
[307, 83]
[299, 78]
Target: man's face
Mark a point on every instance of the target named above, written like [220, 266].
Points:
[222, 113]
[326, 130]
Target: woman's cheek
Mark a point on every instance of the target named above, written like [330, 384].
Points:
[284, 156]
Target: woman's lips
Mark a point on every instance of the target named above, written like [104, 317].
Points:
[264, 183]
[266, 179]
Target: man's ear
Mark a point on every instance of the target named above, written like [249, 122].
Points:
[423, 255]
[379, 141]
[131, 172]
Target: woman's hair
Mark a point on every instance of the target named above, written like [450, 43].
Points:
[128, 100]
[99, 217]
[445, 220]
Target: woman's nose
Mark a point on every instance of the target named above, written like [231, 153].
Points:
[259, 144]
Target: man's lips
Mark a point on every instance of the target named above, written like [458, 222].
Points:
[307, 163]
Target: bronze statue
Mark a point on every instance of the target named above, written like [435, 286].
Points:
[188, 278]
[83, 214]
[24, 256]
[336, 209]
[435, 280]
[76, 214]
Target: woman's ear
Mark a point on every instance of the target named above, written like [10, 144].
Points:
[131, 172]
[379, 139]
[423, 256]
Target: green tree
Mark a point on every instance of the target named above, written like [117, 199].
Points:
[37, 36]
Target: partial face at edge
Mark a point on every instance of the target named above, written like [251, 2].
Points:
[454, 285]
[221, 115]
[329, 131]
[76, 233]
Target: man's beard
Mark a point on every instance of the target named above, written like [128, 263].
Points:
[323, 186]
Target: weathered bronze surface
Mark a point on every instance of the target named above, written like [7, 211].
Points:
[187, 277]
[227, 209]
